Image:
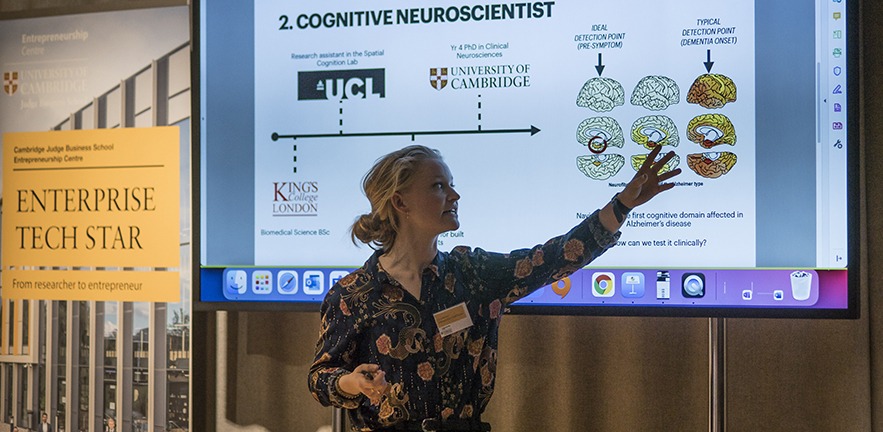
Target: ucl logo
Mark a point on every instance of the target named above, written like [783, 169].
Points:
[438, 78]
[341, 84]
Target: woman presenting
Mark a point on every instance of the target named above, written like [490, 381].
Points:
[408, 342]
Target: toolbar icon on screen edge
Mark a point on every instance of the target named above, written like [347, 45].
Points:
[336, 276]
[287, 282]
[236, 282]
[261, 282]
[314, 282]
[603, 284]
[693, 285]
[633, 284]
[663, 285]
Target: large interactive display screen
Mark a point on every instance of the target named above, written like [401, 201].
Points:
[542, 110]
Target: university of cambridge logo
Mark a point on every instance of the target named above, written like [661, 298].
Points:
[10, 82]
[438, 78]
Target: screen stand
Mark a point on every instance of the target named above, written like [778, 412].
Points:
[338, 420]
[717, 374]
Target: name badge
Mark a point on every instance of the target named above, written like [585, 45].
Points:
[453, 319]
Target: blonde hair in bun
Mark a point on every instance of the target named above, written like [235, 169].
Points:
[390, 174]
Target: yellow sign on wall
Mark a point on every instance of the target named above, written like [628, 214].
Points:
[88, 206]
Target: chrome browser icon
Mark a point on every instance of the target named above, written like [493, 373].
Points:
[603, 284]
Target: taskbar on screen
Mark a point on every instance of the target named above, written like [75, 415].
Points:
[720, 288]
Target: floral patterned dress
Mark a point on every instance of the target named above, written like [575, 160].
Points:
[367, 317]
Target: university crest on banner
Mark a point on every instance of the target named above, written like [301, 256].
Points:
[10, 82]
[438, 78]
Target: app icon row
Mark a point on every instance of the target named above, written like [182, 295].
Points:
[633, 285]
[692, 286]
[241, 282]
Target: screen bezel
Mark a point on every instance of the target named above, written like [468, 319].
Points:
[853, 218]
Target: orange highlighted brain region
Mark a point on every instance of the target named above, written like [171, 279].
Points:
[653, 130]
[709, 130]
[600, 167]
[601, 94]
[656, 93]
[712, 91]
[599, 133]
[712, 164]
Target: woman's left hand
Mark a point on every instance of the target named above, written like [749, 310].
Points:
[648, 182]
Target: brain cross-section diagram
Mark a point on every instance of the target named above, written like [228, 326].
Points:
[711, 164]
[712, 91]
[653, 130]
[656, 93]
[710, 130]
[600, 167]
[601, 94]
[638, 160]
[599, 133]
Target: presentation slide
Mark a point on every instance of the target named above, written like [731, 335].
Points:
[543, 111]
[540, 123]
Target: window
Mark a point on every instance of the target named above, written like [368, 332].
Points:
[140, 354]
[11, 329]
[25, 325]
[83, 365]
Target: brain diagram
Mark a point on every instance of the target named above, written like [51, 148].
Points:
[656, 93]
[709, 130]
[638, 160]
[650, 131]
[601, 95]
[711, 165]
[598, 133]
[712, 91]
[600, 167]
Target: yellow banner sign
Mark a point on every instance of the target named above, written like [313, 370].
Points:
[90, 198]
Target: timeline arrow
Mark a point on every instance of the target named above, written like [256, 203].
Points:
[708, 63]
[600, 67]
[533, 130]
